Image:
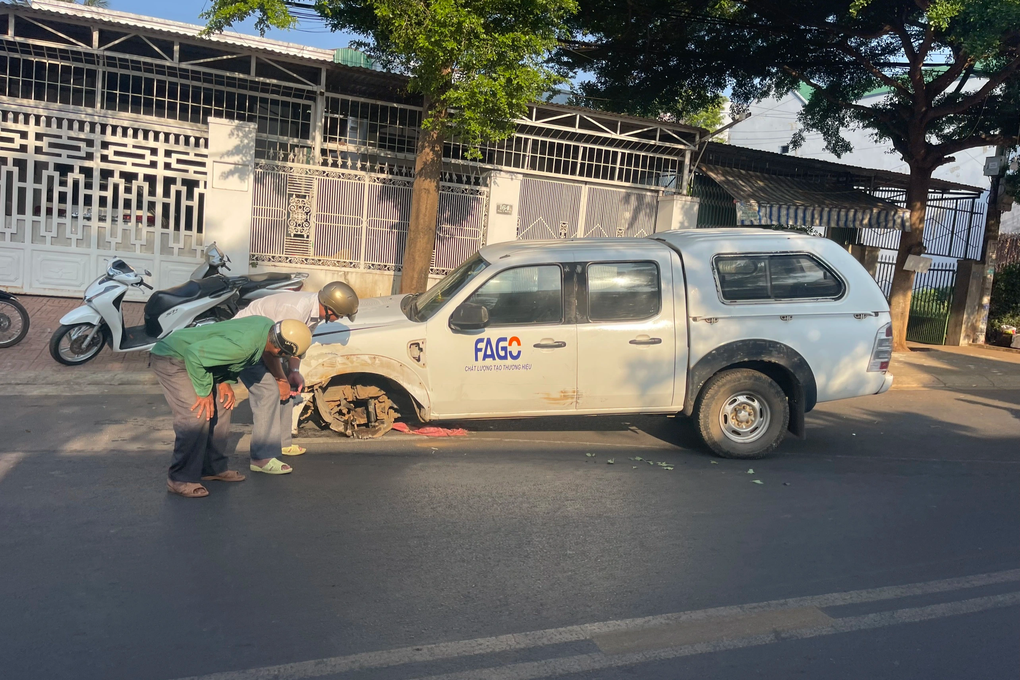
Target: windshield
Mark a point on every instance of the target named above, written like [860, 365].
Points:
[431, 301]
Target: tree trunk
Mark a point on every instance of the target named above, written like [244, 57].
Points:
[421, 231]
[910, 243]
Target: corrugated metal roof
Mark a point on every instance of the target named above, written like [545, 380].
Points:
[137, 21]
[769, 199]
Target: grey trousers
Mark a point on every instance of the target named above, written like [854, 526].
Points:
[200, 447]
[271, 419]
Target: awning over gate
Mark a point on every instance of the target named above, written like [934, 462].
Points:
[769, 199]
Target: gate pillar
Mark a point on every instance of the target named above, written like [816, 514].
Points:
[228, 203]
[970, 307]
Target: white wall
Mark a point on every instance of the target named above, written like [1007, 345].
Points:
[230, 169]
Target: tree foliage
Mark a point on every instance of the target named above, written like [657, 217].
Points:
[945, 72]
[482, 60]
[476, 63]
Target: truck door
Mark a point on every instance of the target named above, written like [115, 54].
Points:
[627, 340]
[524, 362]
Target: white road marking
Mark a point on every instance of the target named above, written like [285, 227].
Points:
[553, 636]
[8, 461]
[598, 661]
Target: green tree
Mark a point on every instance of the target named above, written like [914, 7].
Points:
[949, 66]
[477, 64]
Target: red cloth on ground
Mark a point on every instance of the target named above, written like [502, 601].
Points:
[431, 430]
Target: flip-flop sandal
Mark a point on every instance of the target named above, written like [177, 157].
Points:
[228, 476]
[293, 450]
[273, 467]
[187, 489]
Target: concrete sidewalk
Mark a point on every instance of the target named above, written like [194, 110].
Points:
[29, 369]
[972, 366]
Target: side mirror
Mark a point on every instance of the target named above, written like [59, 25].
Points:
[469, 317]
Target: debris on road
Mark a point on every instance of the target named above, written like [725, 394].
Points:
[431, 430]
[757, 481]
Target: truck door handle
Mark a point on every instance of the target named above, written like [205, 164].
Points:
[547, 343]
[645, 340]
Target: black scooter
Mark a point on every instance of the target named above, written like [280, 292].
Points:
[13, 320]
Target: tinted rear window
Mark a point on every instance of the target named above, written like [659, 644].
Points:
[794, 276]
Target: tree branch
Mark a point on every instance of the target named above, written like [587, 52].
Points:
[926, 42]
[846, 49]
[939, 85]
[956, 145]
[963, 80]
[853, 106]
[962, 105]
[916, 61]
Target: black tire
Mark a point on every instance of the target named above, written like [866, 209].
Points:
[742, 413]
[12, 314]
[96, 346]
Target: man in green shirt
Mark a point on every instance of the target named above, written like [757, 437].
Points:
[193, 365]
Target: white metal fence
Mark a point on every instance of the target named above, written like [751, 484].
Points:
[77, 193]
[354, 219]
[550, 210]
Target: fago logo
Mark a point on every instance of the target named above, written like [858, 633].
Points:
[500, 350]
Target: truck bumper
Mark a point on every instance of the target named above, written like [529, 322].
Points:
[886, 385]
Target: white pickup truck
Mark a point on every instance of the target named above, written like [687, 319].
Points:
[743, 329]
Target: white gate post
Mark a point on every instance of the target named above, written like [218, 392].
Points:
[504, 208]
[228, 199]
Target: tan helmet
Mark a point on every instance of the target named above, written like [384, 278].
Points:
[339, 298]
[291, 336]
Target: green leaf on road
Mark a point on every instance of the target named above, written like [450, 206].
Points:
[750, 471]
[610, 461]
[590, 455]
[757, 481]
[713, 462]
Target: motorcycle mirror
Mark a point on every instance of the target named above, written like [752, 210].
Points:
[147, 272]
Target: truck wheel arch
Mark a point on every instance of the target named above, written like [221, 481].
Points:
[780, 362]
[333, 365]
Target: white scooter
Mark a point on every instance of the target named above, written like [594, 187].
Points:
[84, 331]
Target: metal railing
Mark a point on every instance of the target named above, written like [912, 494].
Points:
[930, 304]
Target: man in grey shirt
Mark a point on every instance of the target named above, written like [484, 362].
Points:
[271, 417]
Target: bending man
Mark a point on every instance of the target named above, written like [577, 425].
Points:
[272, 419]
[195, 366]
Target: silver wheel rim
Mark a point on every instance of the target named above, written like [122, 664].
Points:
[72, 344]
[745, 417]
[10, 322]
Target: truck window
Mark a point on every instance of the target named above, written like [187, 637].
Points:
[794, 276]
[524, 295]
[431, 301]
[802, 277]
[623, 291]
[743, 277]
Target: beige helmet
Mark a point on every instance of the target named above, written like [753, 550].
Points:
[291, 336]
[339, 298]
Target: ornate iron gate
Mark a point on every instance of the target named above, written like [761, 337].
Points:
[352, 219]
[76, 194]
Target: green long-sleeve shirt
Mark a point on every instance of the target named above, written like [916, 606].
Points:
[217, 352]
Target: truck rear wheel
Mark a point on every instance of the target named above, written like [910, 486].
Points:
[742, 414]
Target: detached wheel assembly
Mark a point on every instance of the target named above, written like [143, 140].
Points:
[359, 411]
[742, 414]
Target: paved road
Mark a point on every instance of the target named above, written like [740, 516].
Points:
[884, 546]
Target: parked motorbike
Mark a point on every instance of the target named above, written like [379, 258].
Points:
[250, 286]
[84, 331]
[13, 320]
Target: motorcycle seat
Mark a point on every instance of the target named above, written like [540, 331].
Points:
[164, 300]
[265, 278]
